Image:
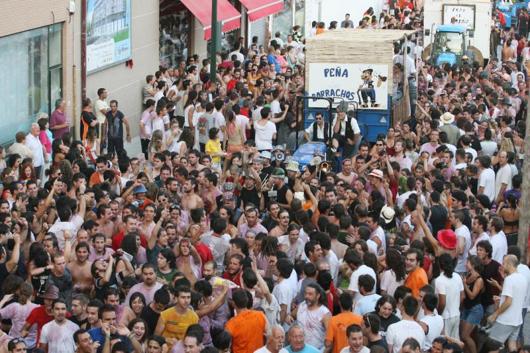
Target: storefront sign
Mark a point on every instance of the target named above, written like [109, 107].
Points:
[108, 32]
[366, 84]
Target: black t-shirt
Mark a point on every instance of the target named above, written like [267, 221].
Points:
[269, 223]
[385, 322]
[281, 194]
[438, 218]
[381, 343]
[86, 119]
[151, 317]
[490, 271]
[81, 323]
[249, 196]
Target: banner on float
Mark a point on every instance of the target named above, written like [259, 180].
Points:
[366, 84]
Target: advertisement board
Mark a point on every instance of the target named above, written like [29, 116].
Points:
[363, 83]
[108, 33]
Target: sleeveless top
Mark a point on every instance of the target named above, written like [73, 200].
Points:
[469, 303]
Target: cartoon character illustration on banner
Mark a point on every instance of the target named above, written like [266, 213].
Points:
[367, 89]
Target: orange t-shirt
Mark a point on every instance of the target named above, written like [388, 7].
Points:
[415, 280]
[247, 329]
[337, 329]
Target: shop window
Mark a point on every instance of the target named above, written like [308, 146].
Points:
[30, 77]
[175, 30]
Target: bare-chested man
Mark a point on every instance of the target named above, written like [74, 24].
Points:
[190, 199]
[508, 54]
[209, 192]
[347, 173]
[105, 223]
[193, 161]
[80, 268]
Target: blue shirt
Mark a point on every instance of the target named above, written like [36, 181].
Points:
[271, 59]
[307, 349]
[98, 335]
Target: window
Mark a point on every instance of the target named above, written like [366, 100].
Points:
[30, 77]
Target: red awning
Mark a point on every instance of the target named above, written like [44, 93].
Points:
[257, 9]
[226, 14]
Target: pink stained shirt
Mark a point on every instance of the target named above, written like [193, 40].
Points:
[45, 141]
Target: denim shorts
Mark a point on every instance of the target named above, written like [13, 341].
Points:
[473, 315]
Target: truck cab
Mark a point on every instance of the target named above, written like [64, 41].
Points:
[449, 45]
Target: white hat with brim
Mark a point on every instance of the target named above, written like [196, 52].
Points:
[447, 118]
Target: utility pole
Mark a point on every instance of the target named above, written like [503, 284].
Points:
[524, 219]
[214, 40]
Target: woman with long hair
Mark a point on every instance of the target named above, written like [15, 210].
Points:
[509, 212]
[385, 309]
[188, 260]
[92, 146]
[134, 308]
[157, 144]
[473, 310]
[234, 134]
[13, 162]
[189, 109]
[27, 172]
[394, 275]
[139, 329]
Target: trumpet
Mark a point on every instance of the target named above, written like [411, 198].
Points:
[325, 167]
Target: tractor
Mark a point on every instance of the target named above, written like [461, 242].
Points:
[450, 45]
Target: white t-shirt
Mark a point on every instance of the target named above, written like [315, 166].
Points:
[451, 288]
[347, 350]
[285, 294]
[483, 236]
[488, 147]
[98, 106]
[487, 181]
[264, 135]
[436, 325]
[72, 226]
[380, 233]
[312, 323]
[34, 144]
[472, 151]
[499, 245]
[515, 286]
[463, 232]
[264, 349]
[525, 271]
[389, 283]
[354, 280]
[397, 333]
[366, 304]
[219, 121]
[59, 338]
[275, 107]
[504, 176]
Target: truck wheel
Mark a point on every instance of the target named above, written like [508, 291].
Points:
[476, 55]
[426, 53]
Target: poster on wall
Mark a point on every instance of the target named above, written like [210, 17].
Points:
[366, 84]
[108, 33]
[463, 14]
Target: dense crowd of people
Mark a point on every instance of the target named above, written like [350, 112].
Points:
[214, 240]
